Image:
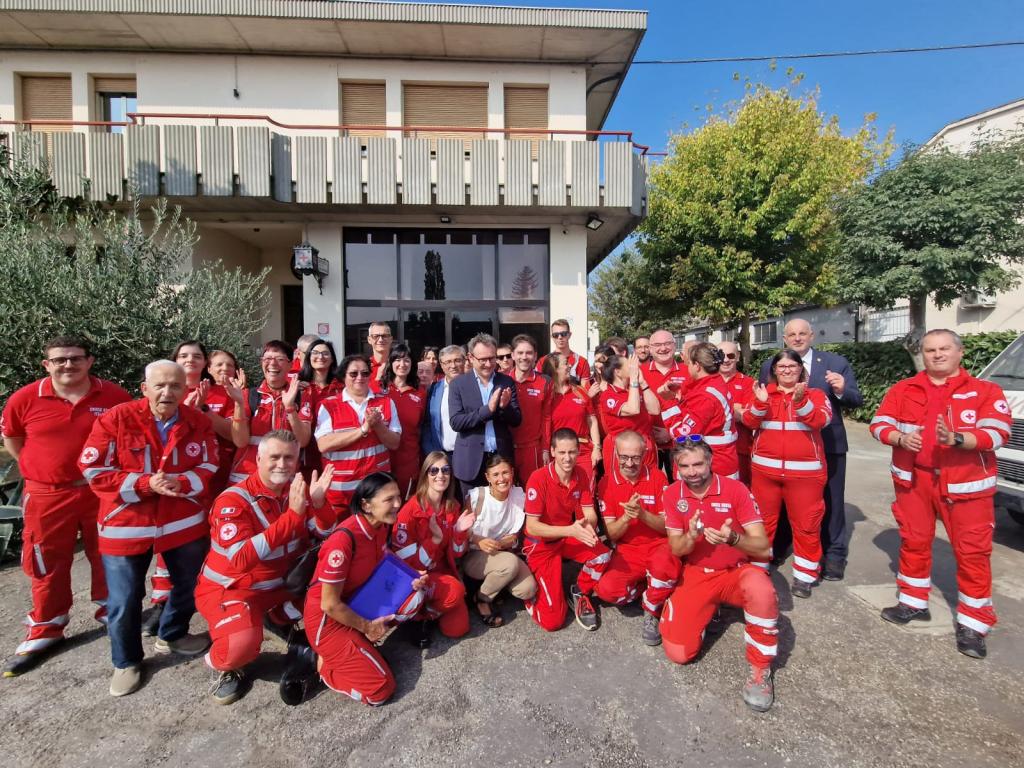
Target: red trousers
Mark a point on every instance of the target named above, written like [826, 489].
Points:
[54, 519]
[349, 663]
[544, 559]
[969, 524]
[235, 619]
[445, 600]
[693, 604]
[529, 458]
[805, 506]
[160, 582]
[651, 563]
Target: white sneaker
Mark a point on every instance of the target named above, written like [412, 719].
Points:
[126, 681]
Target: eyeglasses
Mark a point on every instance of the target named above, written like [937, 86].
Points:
[358, 374]
[435, 471]
[624, 459]
[72, 360]
[504, 357]
[662, 344]
[560, 334]
[484, 360]
[320, 354]
[455, 361]
[787, 368]
[684, 439]
[280, 360]
[379, 336]
[730, 355]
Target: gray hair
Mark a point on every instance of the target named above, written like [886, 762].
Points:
[451, 349]
[307, 339]
[281, 435]
[151, 367]
[952, 334]
[482, 338]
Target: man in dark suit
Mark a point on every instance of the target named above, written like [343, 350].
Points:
[482, 406]
[436, 433]
[832, 374]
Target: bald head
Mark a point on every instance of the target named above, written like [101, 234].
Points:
[663, 347]
[798, 336]
[630, 449]
[732, 357]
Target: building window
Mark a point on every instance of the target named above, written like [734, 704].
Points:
[452, 106]
[363, 104]
[116, 97]
[729, 334]
[766, 333]
[46, 98]
[526, 107]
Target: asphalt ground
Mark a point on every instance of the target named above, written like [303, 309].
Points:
[851, 690]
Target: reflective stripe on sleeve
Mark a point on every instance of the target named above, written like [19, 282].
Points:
[128, 493]
[806, 408]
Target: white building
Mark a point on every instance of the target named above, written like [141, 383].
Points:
[404, 141]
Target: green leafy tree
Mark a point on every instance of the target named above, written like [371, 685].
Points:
[623, 300]
[75, 268]
[938, 224]
[742, 211]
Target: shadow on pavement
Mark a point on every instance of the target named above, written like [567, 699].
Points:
[943, 562]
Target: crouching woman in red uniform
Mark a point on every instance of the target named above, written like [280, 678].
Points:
[788, 461]
[343, 640]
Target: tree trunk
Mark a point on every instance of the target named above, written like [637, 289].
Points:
[912, 341]
[744, 342]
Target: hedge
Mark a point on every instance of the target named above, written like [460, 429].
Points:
[880, 364]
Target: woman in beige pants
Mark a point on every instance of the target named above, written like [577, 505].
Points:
[494, 539]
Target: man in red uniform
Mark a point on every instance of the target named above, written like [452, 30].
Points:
[258, 529]
[533, 435]
[561, 525]
[630, 499]
[151, 461]
[44, 425]
[380, 339]
[579, 368]
[667, 379]
[944, 426]
[741, 387]
[714, 523]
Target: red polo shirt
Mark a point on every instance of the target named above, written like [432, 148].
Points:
[725, 499]
[339, 564]
[54, 430]
[535, 403]
[570, 411]
[614, 490]
[611, 402]
[554, 503]
[578, 366]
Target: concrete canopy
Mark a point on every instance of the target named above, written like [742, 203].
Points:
[604, 42]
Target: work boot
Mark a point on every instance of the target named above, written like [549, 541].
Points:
[152, 622]
[423, 635]
[299, 674]
[970, 642]
[835, 569]
[125, 681]
[586, 615]
[228, 687]
[651, 632]
[800, 588]
[20, 663]
[901, 613]
[759, 692]
[186, 645]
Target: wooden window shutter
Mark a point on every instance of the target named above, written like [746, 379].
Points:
[114, 85]
[363, 104]
[46, 98]
[445, 105]
[526, 107]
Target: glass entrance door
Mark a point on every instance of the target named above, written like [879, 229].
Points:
[467, 323]
[424, 328]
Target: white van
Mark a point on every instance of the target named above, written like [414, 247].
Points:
[1007, 370]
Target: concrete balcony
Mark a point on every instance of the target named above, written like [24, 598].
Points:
[311, 167]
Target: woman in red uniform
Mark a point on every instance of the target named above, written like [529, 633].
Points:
[318, 371]
[403, 387]
[627, 403]
[706, 410]
[788, 460]
[431, 535]
[343, 640]
[571, 408]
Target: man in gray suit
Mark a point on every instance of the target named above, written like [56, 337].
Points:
[832, 374]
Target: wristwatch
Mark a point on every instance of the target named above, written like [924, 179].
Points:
[958, 439]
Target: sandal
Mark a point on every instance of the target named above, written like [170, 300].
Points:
[490, 619]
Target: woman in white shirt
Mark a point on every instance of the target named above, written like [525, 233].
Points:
[494, 539]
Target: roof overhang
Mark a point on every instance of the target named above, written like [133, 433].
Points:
[601, 41]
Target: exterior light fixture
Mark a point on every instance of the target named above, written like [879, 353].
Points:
[306, 261]
[594, 222]
[445, 218]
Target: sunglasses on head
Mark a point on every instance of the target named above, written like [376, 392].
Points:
[683, 439]
[435, 471]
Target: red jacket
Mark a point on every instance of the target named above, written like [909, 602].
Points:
[413, 542]
[706, 410]
[975, 406]
[788, 438]
[742, 388]
[255, 538]
[120, 456]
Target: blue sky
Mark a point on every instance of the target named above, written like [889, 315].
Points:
[916, 94]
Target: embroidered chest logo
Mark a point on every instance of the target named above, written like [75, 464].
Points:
[575, 494]
[648, 501]
[1002, 406]
[89, 455]
[533, 392]
[721, 506]
[610, 402]
[96, 410]
[968, 417]
[336, 558]
[401, 535]
[192, 450]
[682, 507]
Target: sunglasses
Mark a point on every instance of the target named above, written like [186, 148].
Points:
[435, 471]
[358, 374]
[504, 357]
[731, 355]
[684, 439]
[560, 334]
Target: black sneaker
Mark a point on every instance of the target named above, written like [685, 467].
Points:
[902, 614]
[299, 674]
[586, 615]
[152, 622]
[835, 569]
[800, 588]
[970, 642]
[20, 663]
[229, 687]
[423, 635]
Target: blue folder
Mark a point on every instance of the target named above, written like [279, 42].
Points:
[387, 589]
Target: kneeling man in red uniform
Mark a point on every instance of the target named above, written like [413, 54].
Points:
[714, 523]
[630, 499]
[258, 529]
[561, 525]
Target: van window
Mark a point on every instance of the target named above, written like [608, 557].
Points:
[1007, 370]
